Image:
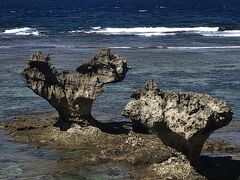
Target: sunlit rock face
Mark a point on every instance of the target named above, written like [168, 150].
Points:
[183, 120]
[72, 95]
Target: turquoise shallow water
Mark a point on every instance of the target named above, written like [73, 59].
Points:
[21, 161]
[212, 71]
[215, 71]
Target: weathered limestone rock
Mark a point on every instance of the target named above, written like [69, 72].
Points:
[126, 145]
[72, 95]
[175, 168]
[144, 155]
[106, 66]
[183, 120]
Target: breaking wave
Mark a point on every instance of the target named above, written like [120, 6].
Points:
[22, 31]
[227, 33]
[181, 47]
[4, 47]
[142, 10]
[176, 47]
[154, 47]
[203, 47]
[161, 31]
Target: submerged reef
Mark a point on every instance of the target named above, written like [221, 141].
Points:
[72, 95]
[144, 153]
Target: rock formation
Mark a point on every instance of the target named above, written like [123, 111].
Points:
[72, 95]
[182, 120]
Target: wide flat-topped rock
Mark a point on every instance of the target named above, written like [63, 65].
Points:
[183, 120]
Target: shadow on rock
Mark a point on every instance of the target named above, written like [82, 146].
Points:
[115, 127]
[108, 127]
[224, 168]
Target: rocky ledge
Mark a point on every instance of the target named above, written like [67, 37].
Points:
[147, 156]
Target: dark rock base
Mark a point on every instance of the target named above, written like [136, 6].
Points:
[148, 157]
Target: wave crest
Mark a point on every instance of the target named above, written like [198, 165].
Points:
[227, 33]
[22, 31]
[161, 31]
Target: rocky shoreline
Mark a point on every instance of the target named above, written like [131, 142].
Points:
[145, 153]
[164, 138]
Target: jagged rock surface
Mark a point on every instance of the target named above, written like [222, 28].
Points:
[72, 95]
[144, 155]
[183, 120]
[175, 168]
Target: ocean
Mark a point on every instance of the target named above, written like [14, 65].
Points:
[183, 45]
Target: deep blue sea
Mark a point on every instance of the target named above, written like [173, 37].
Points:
[187, 45]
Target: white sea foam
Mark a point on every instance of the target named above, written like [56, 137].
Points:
[204, 47]
[96, 28]
[176, 47]
[154, 34]
[121, 47]
[227, 33]
[4, 47]
[157, 30]
[161, 31]
[72, 32]
[22, 31]
[142, 10]
[147, 31]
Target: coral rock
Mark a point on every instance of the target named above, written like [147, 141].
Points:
[72, 95]
[182, 120]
